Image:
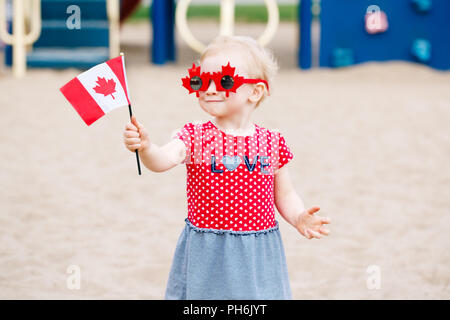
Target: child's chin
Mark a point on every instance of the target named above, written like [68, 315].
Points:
[214, 113]
[214, 110]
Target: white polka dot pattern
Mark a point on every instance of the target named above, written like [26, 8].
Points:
[230, 179]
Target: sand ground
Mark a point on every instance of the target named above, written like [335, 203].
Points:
[371, 146]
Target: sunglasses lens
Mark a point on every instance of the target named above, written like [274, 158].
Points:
[227, 82]
[196, 83]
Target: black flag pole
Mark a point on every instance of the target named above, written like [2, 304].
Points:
[137, 154]
[131, 114]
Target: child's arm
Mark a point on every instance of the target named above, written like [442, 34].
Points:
[154, 157]
[160, 159]
[292, 209]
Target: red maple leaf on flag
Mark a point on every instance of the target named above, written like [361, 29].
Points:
[105, 87]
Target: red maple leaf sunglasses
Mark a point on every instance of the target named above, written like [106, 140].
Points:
[225, 81]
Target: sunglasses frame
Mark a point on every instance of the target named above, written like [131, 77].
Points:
[206, 77]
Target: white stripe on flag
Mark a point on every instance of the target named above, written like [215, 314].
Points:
[125, 76]
[106, 102]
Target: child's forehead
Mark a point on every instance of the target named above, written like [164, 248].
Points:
[215, 63]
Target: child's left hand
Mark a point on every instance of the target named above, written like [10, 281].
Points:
[310, 225]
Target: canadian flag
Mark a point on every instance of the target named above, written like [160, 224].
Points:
[98, 90]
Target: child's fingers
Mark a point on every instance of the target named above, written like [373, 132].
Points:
[314, 234]
[131, 141]
[325, 220]
[307, 235]
[131, 134]
[324, 231]
[130, 126]
[135, 122]
[313, 210]
[134, 146]
[139, 126]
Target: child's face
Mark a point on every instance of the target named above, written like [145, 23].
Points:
[216, 103]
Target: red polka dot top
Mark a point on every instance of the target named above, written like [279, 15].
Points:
[230, 179]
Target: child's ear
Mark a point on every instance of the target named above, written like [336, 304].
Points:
[257, 93]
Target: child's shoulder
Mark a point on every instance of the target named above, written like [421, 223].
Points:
[196, 124]
[275, 132]
[191, 127]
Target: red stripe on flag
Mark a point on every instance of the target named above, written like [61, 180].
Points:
[82, 101]
[116, 66]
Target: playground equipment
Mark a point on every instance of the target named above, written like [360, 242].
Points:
[226, 22]
[418, 31]
[163, 12]
[352, 32]
[163, 44]
[20, 39]
[57, 41]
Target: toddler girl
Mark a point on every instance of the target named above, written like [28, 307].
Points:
[230, 246]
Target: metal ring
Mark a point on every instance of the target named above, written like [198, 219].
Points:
[227, 22]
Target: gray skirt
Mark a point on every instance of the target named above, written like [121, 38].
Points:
[211, 264]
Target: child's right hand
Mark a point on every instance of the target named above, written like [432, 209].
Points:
[135, 136]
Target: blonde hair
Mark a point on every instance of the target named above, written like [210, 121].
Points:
[261, 63]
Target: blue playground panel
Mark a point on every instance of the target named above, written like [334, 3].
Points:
[305, 16]
[61, 47]
[90, 9]
[93, 33]
[162, 13]
[419, 31]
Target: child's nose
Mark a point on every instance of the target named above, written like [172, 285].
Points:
[211, 86]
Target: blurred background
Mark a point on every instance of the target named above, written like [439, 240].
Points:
[362, 97]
